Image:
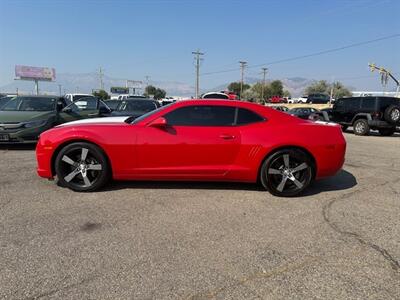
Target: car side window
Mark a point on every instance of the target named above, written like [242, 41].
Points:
[202, 115]
[245, 116]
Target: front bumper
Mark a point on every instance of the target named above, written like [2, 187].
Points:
[43, 159]
[21, 135]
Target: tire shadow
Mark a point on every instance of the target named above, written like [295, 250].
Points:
[341, 181]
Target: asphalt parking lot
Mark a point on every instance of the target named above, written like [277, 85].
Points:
[204, 240]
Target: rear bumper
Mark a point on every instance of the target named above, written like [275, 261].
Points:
[331, 159]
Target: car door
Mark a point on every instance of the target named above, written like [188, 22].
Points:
[199, 141]
[87, 107]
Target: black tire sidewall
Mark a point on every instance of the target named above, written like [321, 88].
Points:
[388, 114]
[100, 156]
[297, 153]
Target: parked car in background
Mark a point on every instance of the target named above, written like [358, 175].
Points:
[135, 107]
[303, 112]
[215, 95]
[194, 140]
[75, 97]
[277, 99]
[302, 99]
[280, 108]
[24, 118]
[318, 98]
[366, 113]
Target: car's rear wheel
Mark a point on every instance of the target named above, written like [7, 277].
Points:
[387, 131]
[361, 127]
[392, 114]
[287, 172]
[82, 167]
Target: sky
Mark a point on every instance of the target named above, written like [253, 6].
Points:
[134, 39]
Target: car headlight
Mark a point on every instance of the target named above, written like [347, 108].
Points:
[35, 123]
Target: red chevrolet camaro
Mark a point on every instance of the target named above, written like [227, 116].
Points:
[202, 140]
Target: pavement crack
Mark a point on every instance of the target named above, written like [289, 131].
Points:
[383, 252]
[290, 267]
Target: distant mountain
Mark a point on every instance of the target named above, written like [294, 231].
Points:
[295, 85]
[84, 83]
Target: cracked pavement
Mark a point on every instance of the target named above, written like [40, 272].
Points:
[341, 240]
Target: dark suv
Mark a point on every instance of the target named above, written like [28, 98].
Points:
[365, 113]
[318, 98]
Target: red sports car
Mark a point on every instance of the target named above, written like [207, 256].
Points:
[203, 140]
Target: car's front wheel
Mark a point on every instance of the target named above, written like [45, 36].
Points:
[287, 172]
[82, 167]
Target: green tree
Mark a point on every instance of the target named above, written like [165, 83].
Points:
[156, 93]
[235, 87]
[339, 90]
[159, 94]
[102, 94]
[322, 86]
[150, 90]
[286, 93]
[276, 88]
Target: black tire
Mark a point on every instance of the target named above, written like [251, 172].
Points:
[287, 172]
[387, 131]
[82, 167]
[392, 114]
[361, 127]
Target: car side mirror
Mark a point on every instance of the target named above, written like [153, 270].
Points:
[160, 122]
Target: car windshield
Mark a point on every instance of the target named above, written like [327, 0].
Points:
[4, 100]
[142, 117]
[139, 106]
[30, 104]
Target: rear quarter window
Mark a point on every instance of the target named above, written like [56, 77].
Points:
[246, 116]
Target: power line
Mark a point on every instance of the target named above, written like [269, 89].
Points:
[310, 55]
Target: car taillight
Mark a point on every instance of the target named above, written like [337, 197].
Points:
[376, 115]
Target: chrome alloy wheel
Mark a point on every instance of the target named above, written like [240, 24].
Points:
[80, 168]
[288, 173]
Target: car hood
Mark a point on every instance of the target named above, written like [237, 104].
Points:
[23, 116]
[105, 120]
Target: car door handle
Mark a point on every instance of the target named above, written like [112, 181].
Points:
[227, 136]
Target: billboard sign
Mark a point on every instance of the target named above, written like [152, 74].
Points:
[134, 83]
[119, 90]
[35, 73]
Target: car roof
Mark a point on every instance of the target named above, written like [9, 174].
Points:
[38, 96]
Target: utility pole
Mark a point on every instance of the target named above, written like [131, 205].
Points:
[101, 74]
[59, 89]
[147, 80]
[263, 86]
[197, 53]
[242, 66]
